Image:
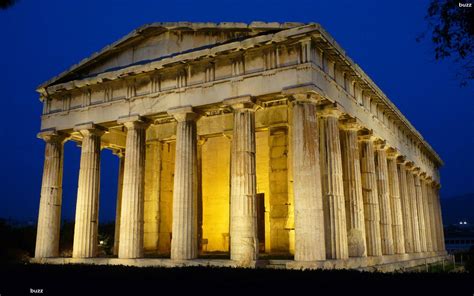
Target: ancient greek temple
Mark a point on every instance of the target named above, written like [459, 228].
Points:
[247, 140]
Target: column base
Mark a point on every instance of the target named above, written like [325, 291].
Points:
[380, 264]
[386, 263]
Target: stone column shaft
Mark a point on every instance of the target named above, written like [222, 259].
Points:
[118, 208]
[434, 219]
[406, 211]
[414, 211]
[395, 205]
[49, 216]
[308, 200]
[184, 244]
[426, 216]
[353, 191]
[243, 208]
[429, 217]
[421, 212]
[370, 196]
[384, 201]
[131, 216]
[442, 246]
[87, 205]
[333, 188]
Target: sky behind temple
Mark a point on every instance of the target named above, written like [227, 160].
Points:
[40, 39]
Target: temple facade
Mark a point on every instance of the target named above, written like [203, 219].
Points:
[245, 141]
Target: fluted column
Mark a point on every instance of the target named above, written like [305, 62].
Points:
[384, 199]
[405, 204]
[87, 205]
[354, 202]
[421, 211]
[131, 216]
[413, 208]
[49, 216]
[118, 208]
[333, 188]
[184, 244]
[442, 246]
[426, 213]
[370, 196]
[395, 203]
[308, 208]
[243, 210]
[433, 218]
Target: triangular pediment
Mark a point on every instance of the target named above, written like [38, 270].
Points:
[159, 40]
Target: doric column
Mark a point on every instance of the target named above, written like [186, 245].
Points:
[433, 217]
[49, 216]
[333, 188]
[395, 203]
[370, 195]
[426, 212]
[353, 189]
[420, 209]
[308, 201]
[243, 210]
[118, 208]
[384, 198]
[415, 226]
[131, 216]
[442, 246]
[184, 244]
[406, 204]
[87, 205]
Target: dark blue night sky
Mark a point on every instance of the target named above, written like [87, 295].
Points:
[40, 39]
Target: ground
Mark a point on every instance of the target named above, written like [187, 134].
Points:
[120, 280]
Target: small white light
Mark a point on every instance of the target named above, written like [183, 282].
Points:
[460, 222]
[101, 242]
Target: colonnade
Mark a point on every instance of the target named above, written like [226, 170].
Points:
[354, 196]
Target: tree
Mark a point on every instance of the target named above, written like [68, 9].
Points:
[451, 23]
[4, 4]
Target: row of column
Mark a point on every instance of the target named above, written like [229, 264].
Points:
[352, 195]
[369, 202]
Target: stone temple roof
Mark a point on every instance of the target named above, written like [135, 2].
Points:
[158, 27]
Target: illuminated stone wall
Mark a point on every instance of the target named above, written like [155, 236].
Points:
[215, 194]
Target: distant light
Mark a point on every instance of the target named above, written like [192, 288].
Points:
[101, 242]
[460, 222]
[465, 222]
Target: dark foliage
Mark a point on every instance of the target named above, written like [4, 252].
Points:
[16, 242]
[469, 266]
[452, 33]
[122, 280]
[4, 4]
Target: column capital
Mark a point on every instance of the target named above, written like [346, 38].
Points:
[402, 159]
[246, 102]
[307, 93]
[350, 124]
[392, 153]
[330, 110]
[366, 135]
[134, 122]
[52, 136]
[184, 113]
[90, 128]
[409, 165]
[380, 144]
[416, 171]
[423, 175]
